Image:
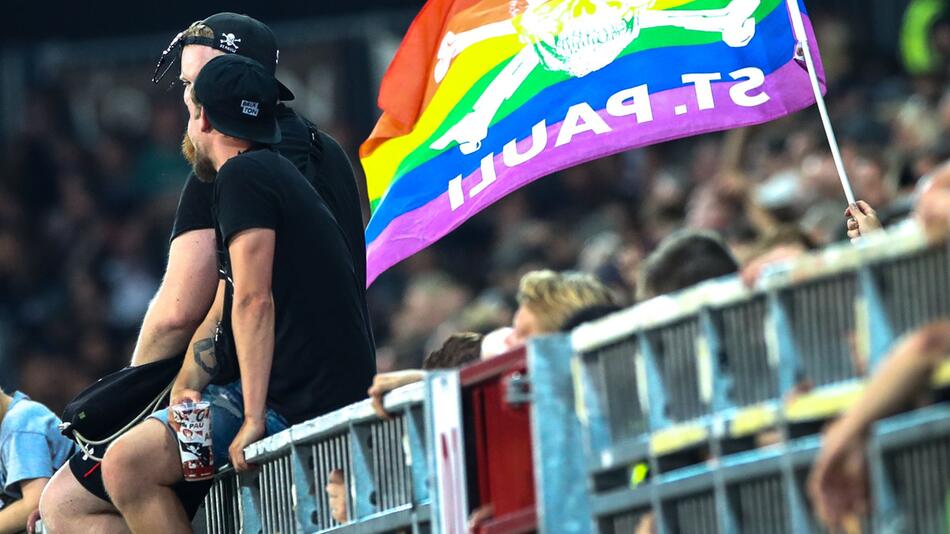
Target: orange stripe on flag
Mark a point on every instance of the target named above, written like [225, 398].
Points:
[403, 93]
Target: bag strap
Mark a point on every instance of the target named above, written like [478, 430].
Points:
[87, 445]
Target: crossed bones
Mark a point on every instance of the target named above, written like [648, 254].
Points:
[734, 23]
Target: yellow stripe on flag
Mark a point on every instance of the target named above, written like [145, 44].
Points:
[469, 67]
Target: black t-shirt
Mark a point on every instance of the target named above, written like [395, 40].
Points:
[323, 352]
[320, 159]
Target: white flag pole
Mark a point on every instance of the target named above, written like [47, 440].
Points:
[798, 24]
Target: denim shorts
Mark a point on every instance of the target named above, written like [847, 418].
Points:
[227, 415]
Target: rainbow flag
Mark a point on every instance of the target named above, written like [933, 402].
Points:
[485, 96]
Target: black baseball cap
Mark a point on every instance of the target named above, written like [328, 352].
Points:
[240, 98]
[234, 34]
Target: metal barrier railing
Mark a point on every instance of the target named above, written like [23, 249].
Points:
[381, 465]
[662, 407]
[688, 387]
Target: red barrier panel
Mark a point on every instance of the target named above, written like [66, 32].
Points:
[499, 441]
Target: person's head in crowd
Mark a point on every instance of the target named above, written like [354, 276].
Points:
[231, 108]
[778, 245]
[546, 299]
[684, 259]
[220, 34]
[217, 35]
[868, 177]
[459, 349]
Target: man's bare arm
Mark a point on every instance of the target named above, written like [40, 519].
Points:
[183, 299]
[902, 376]
[201, 362]
[838, 484]
[13, 516]
[252, 321]
[252, 317]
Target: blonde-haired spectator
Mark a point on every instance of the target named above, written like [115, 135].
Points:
[547, 299]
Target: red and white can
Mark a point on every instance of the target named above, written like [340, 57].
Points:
[192, 425]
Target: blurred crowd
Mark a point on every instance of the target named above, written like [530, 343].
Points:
[85, 219]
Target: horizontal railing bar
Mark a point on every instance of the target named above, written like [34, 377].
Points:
[334, 422]
[896, 242]
[620, 501]
[402, 517]
[834, 259]
[657, 312]
[629, 450]
[927, 422]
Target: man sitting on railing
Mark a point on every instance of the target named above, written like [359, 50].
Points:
[287, 305]
[75, 499]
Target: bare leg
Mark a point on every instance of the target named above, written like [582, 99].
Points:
[139, 470]
[66, 507]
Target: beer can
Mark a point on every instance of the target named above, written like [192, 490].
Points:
[192, 425]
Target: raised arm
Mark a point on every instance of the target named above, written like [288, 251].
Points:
[838, 481]
[183, 299]
[252, 321]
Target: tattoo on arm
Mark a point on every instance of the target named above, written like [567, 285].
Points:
[205, 357]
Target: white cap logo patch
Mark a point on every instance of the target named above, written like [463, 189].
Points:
[249, 108]
[229, 42]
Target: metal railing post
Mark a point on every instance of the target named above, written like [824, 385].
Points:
[249, 502]
[562, 501]
[879, 330]
[363, 491]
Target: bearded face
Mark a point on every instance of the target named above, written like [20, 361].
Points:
[198, 159]
[578, 36]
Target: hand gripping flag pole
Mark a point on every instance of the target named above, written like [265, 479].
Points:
[799, 27]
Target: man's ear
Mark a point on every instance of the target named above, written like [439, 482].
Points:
[203, 121]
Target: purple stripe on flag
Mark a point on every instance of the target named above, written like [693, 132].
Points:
[788, 88]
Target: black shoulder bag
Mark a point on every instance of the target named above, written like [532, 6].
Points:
[116, 403]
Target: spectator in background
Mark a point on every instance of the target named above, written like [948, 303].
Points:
[547, 299]
[684, 259]
[459, 349]
[780, 245]
[31, 450]
[932, 210]
[838, 483]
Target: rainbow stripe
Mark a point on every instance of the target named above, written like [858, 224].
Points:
[652, 91]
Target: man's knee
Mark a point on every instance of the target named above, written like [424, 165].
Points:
[51, 500]
[139, 460]
[119, 471]
[64, 501]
